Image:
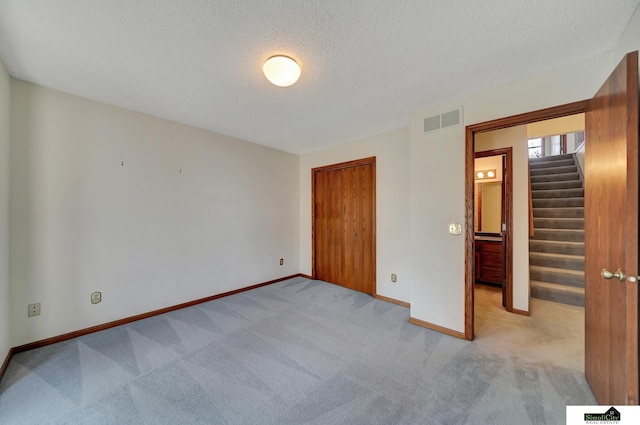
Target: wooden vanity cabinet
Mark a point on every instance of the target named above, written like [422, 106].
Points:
[489, 267]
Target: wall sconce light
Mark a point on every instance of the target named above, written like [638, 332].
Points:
[281, 70]
[485, 174]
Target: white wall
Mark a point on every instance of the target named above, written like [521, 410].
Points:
[437, 180]
[5, 324]
[515, 137]
[563, 125]
[392, 205]
[630, 39]
[145, 234]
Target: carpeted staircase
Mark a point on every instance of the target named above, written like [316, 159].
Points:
[556, 253]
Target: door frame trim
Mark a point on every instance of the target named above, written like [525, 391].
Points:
[340, 166]
[471, 130]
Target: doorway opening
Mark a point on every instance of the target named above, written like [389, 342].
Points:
[493, 206]
[472, 132]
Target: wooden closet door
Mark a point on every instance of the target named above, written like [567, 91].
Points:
[358, 213]
[344, 224]
[328, 227]
[335, 238]
[321, 227]
[364, 231]
[349, 227]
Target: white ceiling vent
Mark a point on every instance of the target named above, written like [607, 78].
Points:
[443, 120]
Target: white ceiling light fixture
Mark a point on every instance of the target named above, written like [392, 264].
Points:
[281, 70]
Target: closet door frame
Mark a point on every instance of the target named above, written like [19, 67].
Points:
[370, 161]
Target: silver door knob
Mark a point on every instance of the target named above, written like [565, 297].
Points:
[608, 274]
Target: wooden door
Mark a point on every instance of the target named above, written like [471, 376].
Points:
[358, 212]
[344, 224]
[328, 227]
[322, 231]
[611, 237]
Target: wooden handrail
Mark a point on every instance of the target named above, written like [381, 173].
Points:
[531, 230]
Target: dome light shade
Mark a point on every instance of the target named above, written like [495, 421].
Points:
[281, 70]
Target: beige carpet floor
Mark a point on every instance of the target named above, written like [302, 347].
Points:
[553, 333]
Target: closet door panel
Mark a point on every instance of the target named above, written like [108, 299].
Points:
[321, 225]
[349, 222]
[335, 255]
[364, 250]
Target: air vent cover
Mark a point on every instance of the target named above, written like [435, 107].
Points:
[432, 123]
[443, 120]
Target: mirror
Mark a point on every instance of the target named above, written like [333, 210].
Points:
[488, 207]
[488, 194]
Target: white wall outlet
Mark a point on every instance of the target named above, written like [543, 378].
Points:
[394, 278]
[33, 310]
[96, 297]
[455, 229]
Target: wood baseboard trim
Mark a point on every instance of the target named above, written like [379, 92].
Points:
[436, 328]
[306, 276]
[520, 312]
[5, 364]
[392, 300]
[126, 320]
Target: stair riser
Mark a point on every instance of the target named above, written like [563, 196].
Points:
[559, 193]
[557, 262]
[568, 184]
[555, 177]
[550, 164]
[553, 170]
[557, 277]
[558, 202]
[557, 296]
[558, 212]
[551, 235]
[553, 223]
[541, 246]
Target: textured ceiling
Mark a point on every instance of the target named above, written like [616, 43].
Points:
[366, 64]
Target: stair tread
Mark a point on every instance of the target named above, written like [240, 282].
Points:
[561, 184]
[558, 208]
[551, 164]
[559, 218]
[552, 255]
[560, 230]
[557, 286]
[563, 199]
[556, 170]
[573, 175]
[551, 158]
[550, 242]
[556, 270]
[544, 193]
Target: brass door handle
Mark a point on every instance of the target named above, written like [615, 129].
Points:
[608, 274]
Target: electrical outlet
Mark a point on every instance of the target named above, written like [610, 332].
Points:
[394, 278]
[281, 261]
[33, 310]
[96, 297]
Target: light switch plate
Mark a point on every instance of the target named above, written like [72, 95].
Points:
[455, 229]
